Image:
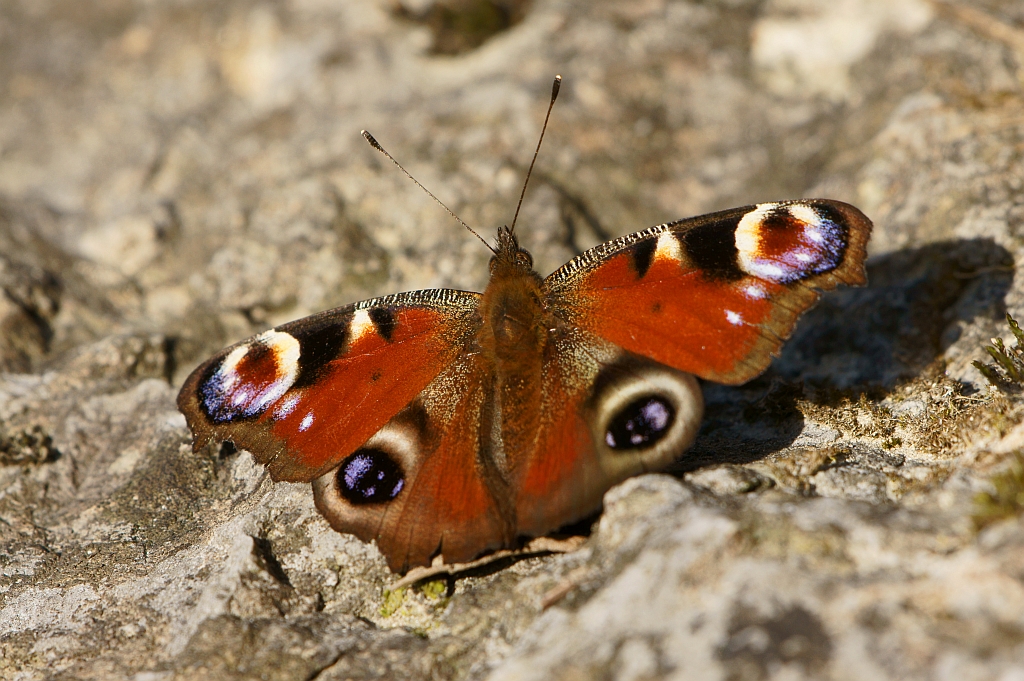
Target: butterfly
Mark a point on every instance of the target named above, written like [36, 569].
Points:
[443, 424]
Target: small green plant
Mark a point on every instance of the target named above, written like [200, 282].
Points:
[1007, 498]
[392, 602]
[435, 590]
[1008, 371]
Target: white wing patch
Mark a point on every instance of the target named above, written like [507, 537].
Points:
[361, 324]
[668, 248]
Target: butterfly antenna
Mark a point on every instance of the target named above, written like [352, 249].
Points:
[554, 95]
[376, 145]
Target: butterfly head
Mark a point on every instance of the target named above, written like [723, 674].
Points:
[509, 259]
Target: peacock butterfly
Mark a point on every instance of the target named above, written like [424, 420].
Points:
[444, 424]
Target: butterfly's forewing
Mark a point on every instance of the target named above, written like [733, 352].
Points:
[306, 394]
[714, 295]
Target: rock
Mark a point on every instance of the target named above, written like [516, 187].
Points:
[177, 176]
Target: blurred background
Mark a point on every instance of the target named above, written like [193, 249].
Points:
[194, 168]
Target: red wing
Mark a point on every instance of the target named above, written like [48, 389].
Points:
[442, 493]
[714, 295]
[303, 396]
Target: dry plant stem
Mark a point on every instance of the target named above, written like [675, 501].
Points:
[984, 23]
[535, 547]
[563, 588]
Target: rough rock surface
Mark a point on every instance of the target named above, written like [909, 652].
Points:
[178, 174]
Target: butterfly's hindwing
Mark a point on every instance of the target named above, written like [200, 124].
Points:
[605, 414]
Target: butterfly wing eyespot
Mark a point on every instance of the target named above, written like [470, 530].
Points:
[641, 423]
[369, 476]
[250, 378]
[785, 243]
[593, 391]
[354, 497]
[644, 415]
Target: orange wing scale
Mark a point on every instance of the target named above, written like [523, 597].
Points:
[562, 480]
[450, 502]
[451, 506]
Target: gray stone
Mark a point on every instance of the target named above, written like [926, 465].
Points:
[175, 176]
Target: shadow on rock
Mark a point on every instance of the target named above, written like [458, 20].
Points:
[867, 339]
[903, 320]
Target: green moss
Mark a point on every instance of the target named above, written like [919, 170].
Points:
[392, 602]
[1007, 498]
[434, 590]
